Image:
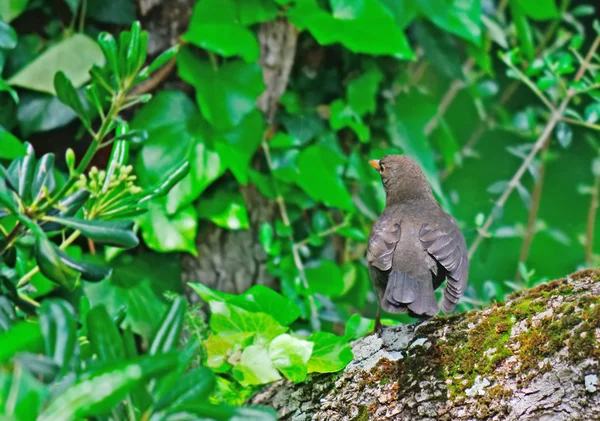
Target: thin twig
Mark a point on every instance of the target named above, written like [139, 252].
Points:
[581, 123]
[539, 144]
[533, 211]
[322, 234]
[591, 222]
[314, 316]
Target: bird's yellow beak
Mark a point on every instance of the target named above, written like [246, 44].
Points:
[375, 164]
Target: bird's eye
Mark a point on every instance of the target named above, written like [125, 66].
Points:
[381, 168]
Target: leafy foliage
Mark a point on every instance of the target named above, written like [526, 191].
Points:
[491, 98]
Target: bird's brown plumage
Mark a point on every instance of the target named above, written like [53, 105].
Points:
[414, 245]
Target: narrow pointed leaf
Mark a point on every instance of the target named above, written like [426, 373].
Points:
[109, 48]
[133, 49]
[167, 184]
[51, 266]
[195, 386]
[59, 331]
[106, 341]
[25, 174]
[43, 176]
[167, 336]
[89, 271]
[163, 59]
[68, 95]
[114, 233]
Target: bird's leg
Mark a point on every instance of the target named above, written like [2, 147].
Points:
[378, 320]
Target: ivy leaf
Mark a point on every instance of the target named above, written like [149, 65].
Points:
[362, 91]
[331, 353]
[325, 277]
[229, 319]
[255, 367]
[172, 115]
[290, 356]
[342, 115]
[440, 50]
[357, 327]
[226, 209]
[540, 9]
[10, 146]
[225, 94]
[42, 112]
[220, 347]
[371, 30]
[11, 9]
[74, 56]
[165, 233]
[214, 27]
[318, 175]
[461, 17]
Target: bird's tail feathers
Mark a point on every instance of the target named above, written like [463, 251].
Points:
[404, 293]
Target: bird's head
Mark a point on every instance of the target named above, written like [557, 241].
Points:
[402, 178]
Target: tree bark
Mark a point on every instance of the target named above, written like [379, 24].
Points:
[535, 357]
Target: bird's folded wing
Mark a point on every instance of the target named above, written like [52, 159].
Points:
[448, 247]
[382, 244]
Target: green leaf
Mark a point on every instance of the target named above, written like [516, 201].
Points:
[219, 348]
[354, 32]
[41, 112]
[257, 299]
[139, 284]
[195, 386]
[59, 331]
[461, 17]
[167, 337]
[43, 177]
[331, 353]
[51, 266]
[403, 11]
[113, 233]
[228, 319]
[104, 336]
[440, 50]
[406, 130]
[357, 327]
[214, 26]
[255, 367]
[540, 9]
[325, 277]
[564, 134]
[172, 115]
[265, 236]
[255, 11]
[164, 233]
[11, 9]
[100, 391]
[25, 174]
[163, 58]
[226, 209]
[74, 56]
[108, 45]
[201, 410]
[8, 36]
[362, 91]
[290, 356]
[318, 175]
[225, 94]
[23, 336]
[342, 115]
[10, 146]
[524, 32]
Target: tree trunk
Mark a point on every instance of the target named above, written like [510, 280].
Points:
[535, 357]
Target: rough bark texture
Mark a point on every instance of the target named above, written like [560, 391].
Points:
[535, 357]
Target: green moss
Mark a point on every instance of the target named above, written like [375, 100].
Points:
[363, 414]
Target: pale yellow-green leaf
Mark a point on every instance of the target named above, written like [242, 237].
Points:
[74, 56]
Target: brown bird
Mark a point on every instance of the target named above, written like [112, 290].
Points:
[414, 245]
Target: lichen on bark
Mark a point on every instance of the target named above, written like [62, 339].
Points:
[536, 356]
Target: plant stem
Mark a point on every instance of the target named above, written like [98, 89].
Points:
[66, 243]
[523, 78]
[556, 116]
[322, 234]
[314, 316]
[581, 123]
[533, 212]
[591, 222]
[11, 237]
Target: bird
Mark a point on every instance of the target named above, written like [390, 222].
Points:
[414, 245]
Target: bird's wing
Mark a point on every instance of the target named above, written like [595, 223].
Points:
[448, 247]
[382, 244]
